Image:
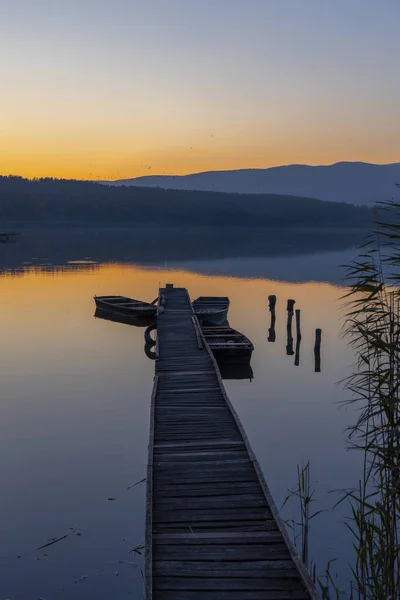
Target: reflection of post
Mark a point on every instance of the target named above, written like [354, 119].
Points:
[271, 330]
[317, 350]
[289, 347]
[298, 338]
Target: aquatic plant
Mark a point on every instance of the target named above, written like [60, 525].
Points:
[373, 328]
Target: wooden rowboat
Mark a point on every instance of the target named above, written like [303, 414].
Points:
[126, 306]
[227, 343]
[211, 309]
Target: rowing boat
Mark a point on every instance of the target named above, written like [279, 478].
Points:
[227, 343]
[211, 309]
[126, 306]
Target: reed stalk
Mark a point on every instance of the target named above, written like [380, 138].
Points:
[373, 328]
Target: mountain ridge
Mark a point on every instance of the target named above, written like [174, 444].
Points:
[350, 182]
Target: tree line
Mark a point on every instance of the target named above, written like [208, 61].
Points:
[71, 201]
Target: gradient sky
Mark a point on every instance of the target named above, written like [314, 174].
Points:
[121, 88]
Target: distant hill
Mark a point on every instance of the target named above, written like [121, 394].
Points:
[79, 201]
[353, 182]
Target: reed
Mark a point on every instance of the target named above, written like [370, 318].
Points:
[305, 496]
[372, 326]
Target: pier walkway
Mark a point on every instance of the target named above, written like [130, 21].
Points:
[212, 530]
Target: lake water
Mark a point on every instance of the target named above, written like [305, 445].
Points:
[75, 394]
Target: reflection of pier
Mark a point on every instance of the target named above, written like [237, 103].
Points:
[212, 529]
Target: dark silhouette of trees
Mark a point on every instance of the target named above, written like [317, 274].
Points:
[72, 201]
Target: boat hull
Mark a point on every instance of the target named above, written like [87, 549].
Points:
[227, 344]
[130, 308]
[235, 369]
[211, 310]
[231, 354]
[125, 319]
[217, 317]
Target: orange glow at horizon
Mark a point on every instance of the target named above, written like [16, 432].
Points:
[151, 89]
[69, 165]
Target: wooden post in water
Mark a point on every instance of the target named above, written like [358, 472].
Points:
[272, 302]
[298, 338]
[271, 330]
[317, 350]
[289, 346]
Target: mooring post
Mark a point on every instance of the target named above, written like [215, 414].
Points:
[272, 302]
[317, 350]
[271, 330]
[290, 306]
[289, 346]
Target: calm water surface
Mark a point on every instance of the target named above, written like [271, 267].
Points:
[75, 398]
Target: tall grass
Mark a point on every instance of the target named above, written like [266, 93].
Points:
[304, 494]
[373, 329]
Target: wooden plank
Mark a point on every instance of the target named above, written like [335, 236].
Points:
[223, 569]
[218, 538]
[221, 526]
[227, 583]
[230, 595]
[203, 514]
[184, 503]
[222, 552]
[207, 489]
[169, 538]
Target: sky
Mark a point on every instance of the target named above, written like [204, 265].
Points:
[111, 89]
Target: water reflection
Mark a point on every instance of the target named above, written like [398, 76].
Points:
[74, 415]
[297, 352]
[317, 350]
[254, 253]
[125, 319]
[298, 338]
[238, 370]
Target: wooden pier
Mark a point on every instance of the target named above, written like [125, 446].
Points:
[212, 529]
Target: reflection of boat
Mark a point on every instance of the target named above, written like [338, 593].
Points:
[126, 306]
[120, 318]
[239, 369]
[227, 343]
[211, 309]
